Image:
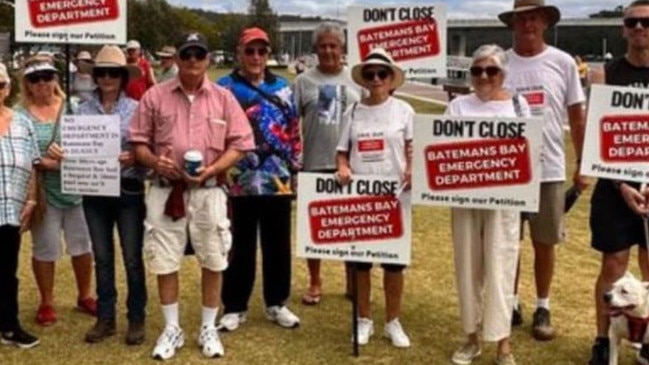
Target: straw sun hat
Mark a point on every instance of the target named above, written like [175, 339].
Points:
[378, 56]
[113, 57]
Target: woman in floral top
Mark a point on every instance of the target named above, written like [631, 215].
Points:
[260, 186]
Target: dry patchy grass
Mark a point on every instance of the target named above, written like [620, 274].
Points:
[430, 312]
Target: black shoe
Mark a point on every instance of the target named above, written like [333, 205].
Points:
[642, 357]
[19, 338]
[599, 352]
[517, 316]
[102, 329]
[541, 327]
[135, 334]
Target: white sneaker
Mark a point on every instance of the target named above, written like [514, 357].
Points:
[171, 339]
[210, 342]
[231, 321]
[394, 332]
[282, 316]
[365, 331]
[466, 354]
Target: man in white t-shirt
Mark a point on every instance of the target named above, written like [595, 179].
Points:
[547, 77]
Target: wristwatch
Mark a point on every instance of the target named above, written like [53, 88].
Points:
[37, 161]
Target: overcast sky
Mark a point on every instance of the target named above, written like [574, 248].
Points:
[456, 8]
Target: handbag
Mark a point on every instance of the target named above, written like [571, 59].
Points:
[38, 214]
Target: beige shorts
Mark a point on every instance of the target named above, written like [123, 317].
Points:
[546, 226]
[206, 222]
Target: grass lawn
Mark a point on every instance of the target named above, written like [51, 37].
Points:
[430, 311]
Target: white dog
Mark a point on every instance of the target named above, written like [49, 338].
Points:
[628, 302]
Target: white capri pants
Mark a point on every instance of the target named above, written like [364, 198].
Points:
[486, 248]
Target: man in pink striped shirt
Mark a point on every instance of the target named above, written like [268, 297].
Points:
[188, 113]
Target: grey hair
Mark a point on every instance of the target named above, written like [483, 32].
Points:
[493, 52]
[328, 28]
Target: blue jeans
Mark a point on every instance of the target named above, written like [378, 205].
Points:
[128, 212]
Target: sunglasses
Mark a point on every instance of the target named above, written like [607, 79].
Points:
[491, 71]
[369, 75]
[3, 85]
[196, 53]
[251, 51]
[37, 77]
[633, 22]
[112, 72]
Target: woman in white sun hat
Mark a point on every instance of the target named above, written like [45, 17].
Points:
[111, 74]
[389, 119]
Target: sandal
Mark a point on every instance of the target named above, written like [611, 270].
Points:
[310, 298]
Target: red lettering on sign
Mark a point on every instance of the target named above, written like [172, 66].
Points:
[404, 41]
[370, 145]
[624, 138]
[367, 218]
[49, 13]
[535, 98]
[481, 163]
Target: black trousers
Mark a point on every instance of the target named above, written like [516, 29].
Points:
[9, 249]
[272, 216]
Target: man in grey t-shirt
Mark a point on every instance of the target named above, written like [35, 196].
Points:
[322, 95]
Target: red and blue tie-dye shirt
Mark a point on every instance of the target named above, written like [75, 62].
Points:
[268, 169]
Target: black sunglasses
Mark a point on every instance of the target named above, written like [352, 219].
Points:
[196, 53]
[36, 77]
[369, 75]
[491, 71]
[112, 72]
[260, 51]
[3, 85]
[633, 22]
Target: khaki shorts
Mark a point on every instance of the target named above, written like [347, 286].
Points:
[546, 226]
[206, 221]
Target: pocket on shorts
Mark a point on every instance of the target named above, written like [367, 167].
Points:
[205, 217]
[150, 242]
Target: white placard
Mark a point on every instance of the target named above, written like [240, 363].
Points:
[362, 221]
[414, 35]
[91, 176]
[71, 21]
[90, 135]
[616, 145]
[91, 147]
[477, 162]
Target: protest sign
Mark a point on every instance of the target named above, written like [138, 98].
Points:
[362, 221]
[415, 36]
[71, 21]
[616, 145]
[91, 148]
[91, 176]
[477, 162]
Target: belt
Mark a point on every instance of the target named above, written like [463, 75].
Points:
[163, 182]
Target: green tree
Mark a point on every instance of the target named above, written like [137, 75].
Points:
[153, 22]
[261, 15]
[617, 12]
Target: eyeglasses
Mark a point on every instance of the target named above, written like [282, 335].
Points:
[3, 85]
[633, 22]
[251, 51]
[36, 77]
[196, 53]
[491, 71]
[112, 72]
[369, 75]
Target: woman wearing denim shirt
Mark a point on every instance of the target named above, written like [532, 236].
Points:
[111, 74]
[260, 186]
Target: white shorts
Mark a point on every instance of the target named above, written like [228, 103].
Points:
[206, 221]
[47, 235]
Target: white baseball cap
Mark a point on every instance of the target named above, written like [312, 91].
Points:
[133, 44]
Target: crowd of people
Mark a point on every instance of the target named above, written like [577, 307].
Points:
[253, 132]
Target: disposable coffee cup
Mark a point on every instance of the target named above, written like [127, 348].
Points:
[193, 160]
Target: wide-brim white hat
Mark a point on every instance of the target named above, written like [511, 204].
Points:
[379, 56]
[113, 57]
